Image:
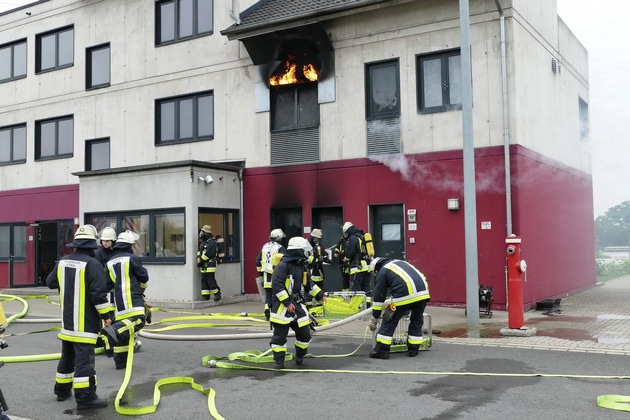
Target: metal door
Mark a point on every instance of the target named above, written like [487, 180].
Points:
[388, 230]
[329, 220]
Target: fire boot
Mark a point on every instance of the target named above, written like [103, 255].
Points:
[63, 391]
[413, 349]
[111, 336]
[299, 355]
[278, 358]
[217, 295]
[381, 351]
[91, 402]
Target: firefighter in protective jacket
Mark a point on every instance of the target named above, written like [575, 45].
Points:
[130, 282]
[208, 258]
[356, 255]
[290, 283]
[265, 263]
[319, 258]
[82, 286]
[410, 292]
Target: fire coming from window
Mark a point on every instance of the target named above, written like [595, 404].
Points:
[294, 71]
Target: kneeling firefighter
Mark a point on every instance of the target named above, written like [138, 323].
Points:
[130, 282]
[290, 282]
[410, 292]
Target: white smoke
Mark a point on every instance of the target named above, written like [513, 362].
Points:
[436, 175]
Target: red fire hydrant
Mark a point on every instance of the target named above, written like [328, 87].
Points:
[515, 268]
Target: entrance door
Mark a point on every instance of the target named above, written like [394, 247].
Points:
[388, 230]
[329, 220]
[21, 253]
[52, 238]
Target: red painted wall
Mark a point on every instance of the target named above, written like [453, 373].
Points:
[29, 206]
[550, 202]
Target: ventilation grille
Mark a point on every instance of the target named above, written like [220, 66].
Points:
[383, 136]
[295, 146]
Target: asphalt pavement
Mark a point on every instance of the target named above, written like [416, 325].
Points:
[588, 335]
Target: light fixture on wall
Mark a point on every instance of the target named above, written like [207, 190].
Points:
[207, 179]
[453, 203]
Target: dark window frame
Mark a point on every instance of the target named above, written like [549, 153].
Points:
[38, 138]
[152, 258]
[371, 113]
[176, 100]
[446, 105]
[38, 50]
[195, 33]
[11, 240]
[12, 160]
[88, 152]
[584, 120]
[89, 85]
[12, 45]
[297, 89]
[234, 242]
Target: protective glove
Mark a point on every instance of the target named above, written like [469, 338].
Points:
[147, 313]
[267, 314]
[373, 324]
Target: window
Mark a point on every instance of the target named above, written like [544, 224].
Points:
[97, 154]
[289, 220]
[294, 106]
[382, 107]
[382, 90]
[13, 144]
[55, 50]
[161, 232]
[98, 67]
[183, 19]
[13, 61]
[224, 223]
[439, 81]
[584, 125]
[12, 242]
[185, 119]
[54, 138]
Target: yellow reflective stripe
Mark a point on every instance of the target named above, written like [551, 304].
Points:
[81, 383]
[411, 286]
[383, 339]
[412, 339]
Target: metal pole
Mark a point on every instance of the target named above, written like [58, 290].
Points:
[470, 202]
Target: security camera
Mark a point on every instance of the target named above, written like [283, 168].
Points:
[207, 179]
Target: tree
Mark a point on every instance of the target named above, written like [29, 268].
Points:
[613, 227]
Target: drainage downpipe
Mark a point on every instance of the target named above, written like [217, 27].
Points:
[241, 235]
[506, 119]
[233, 14]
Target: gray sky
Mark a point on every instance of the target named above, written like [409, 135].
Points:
[603, 29]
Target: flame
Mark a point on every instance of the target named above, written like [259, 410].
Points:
[291, 75]
[309, 72]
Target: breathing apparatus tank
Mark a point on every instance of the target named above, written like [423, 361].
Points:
[369, 244]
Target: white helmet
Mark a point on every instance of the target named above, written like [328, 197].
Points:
[346, 226]
[316, 233]
[108, 234]
[298, 242]
[85, 232]
[128, 237]
[373, 263]
[277, 235]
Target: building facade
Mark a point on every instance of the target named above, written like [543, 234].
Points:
[162, 116]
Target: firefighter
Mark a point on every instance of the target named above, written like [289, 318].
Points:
[339, 252]
[319, 258]
[103, 254]
[108, 239]
[207, 261]
[359, 261]
[291, 282]
[409, 291]
[265, 263]
[82, 286]
[130, 283]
